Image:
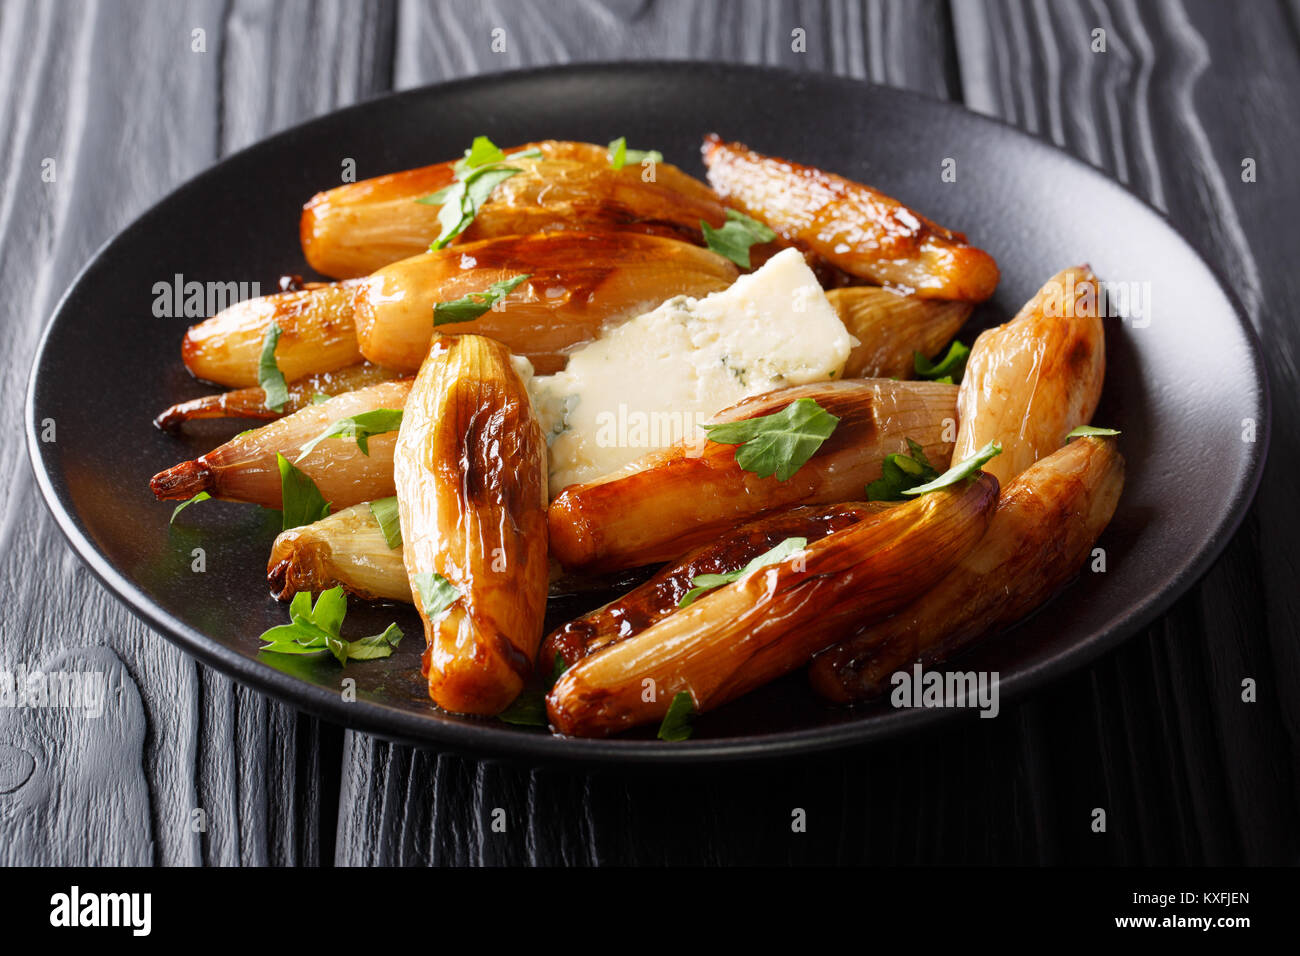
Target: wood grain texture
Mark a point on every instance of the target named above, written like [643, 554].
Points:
[1155, 733]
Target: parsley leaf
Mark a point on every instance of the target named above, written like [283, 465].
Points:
[529, 708]
[900, 472]
[375, 646]
[385, 512]
[477, 175]
[735, 237]
[315, 629]
[779, 443]
[320, 398]
[463, 202]
[620, 155]
[1083, 431]
[362, 427]
[948, 369]
[436, 593]
[957, 472]
[201, 496]
[676, 724]
[481, 152]
[269, 375]
[474, 304]
[707, 582]
[300, 500]
[526, 710]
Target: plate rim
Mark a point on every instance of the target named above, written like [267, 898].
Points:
[487, 740]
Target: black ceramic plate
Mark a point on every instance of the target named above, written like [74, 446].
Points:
[1182, 383]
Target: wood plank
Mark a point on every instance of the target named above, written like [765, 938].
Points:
[1171, 117]
[176, 738]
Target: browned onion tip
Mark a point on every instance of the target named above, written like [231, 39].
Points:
[852, 226]
[181, 482]
[246, 469]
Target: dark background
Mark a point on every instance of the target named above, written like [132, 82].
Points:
[1155, 733]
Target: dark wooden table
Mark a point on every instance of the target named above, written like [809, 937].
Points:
[1156, 733]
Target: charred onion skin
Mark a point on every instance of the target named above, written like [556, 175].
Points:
[1042, 532]
[891, 328]
[470, 470]
[579, 282]
[1029, 382]
[317, 334]
[358, 228]
[747, 633]
[853, 227]
[686, 495]
[245, 468]
[251, 402]
[662, 594]
[345, 548]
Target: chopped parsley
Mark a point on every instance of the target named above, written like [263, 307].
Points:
[300, 500]
[900, 472]
[472, 305]
[1083, 431]
[529, 708]
[316, 629]
[707, 582]
[269, 376]
[477, 175]
[385, 513]
[777, 444]
[436, 593]
[948, 369]
[735, 237]
[957, 472]
[620, 155]
[676, 724]
[201, 496]
[361, 427]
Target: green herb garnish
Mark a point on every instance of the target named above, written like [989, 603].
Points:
[300, 500]
[676, 724]
[361, 427]
[779, 443]
[620, 155]
[958, 471]
[269, 375]
[1087, 431]
[529, 708]
[320, 398]
[201, 496]
[526, 710]
[316, 629]
[735, 237]
[900, 472]
[477, 175]
[707, 582]
[386, 514]
[436, 593]
[474, 304]
[948, 369]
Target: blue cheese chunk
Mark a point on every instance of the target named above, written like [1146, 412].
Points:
[652, 380]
